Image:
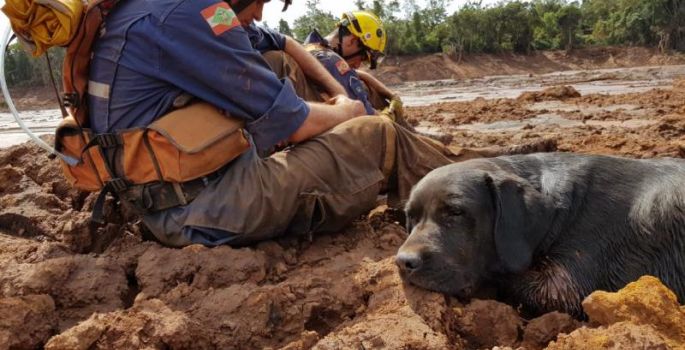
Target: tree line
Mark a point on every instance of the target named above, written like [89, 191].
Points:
[508, 26]
[514, 26]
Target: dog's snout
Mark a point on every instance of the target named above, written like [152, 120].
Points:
[409, 261]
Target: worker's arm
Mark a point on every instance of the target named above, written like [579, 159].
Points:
[312, 68]
[323, 117]
[377, 85]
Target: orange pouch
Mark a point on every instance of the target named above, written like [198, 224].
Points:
[183, 145]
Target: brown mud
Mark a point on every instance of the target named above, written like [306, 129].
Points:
[66, 284]
[396, 70]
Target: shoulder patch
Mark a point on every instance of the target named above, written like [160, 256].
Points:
[342, 66]
[220, 17]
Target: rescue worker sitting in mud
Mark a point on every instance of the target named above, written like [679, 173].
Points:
[358, 38]
[191, 166]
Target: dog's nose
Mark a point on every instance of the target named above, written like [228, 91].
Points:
[408, 261]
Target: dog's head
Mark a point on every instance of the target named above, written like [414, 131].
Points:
[466, 221]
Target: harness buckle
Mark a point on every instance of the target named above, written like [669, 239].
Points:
[118, 184]
[71, 99]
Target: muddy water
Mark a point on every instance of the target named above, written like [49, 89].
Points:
[606, 81]
[41, 122]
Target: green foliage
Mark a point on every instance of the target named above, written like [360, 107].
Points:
[521, 26]
[284, 27]
[568, 20]
[659, 23]
[315, 18]
[22, 69]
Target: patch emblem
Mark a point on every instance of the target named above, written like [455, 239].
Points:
[342, 66]
[220, 18]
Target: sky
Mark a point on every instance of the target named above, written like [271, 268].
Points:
[272, 11]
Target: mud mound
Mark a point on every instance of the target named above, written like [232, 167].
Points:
[552, 93]
[544, 329]
[70, 281]
[36, 202]
[618, 336]
[648, 124]
[479, 110]
[644, 314]
[27, 322]
[151, 325]
[502, 322]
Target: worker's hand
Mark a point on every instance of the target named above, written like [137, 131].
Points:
[396, 106]
[394, 110]
[353, 108]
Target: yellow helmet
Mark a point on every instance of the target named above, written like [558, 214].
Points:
[369, 29]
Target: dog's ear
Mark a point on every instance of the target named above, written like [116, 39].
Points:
[521, 218]
[408, 224]
[407, 218]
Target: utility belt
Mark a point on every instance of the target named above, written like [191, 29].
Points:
[158, 196]
[153, 168]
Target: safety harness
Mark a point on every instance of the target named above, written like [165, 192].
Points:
[152, 168]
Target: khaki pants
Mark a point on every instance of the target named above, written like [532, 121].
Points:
[317, 186]
[285, 66]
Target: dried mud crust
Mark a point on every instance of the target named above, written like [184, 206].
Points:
[65, 284]
[649, 124]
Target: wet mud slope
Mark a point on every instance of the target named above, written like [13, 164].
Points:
[396, 70]
[65, 284]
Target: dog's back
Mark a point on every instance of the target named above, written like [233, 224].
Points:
[616, 219]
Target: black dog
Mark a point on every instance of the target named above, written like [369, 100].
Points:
[547, 229]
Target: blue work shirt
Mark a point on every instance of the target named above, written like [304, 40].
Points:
[339, 69]
[154, 50]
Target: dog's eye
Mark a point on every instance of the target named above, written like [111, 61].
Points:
[451, 215]
[452, 211]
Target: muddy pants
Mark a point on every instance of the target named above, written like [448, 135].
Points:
[320, 185]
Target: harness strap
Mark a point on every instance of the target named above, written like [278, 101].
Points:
[153, 197]
[114, 186]
[54, 86]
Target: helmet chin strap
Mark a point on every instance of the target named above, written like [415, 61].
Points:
[339, 48]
